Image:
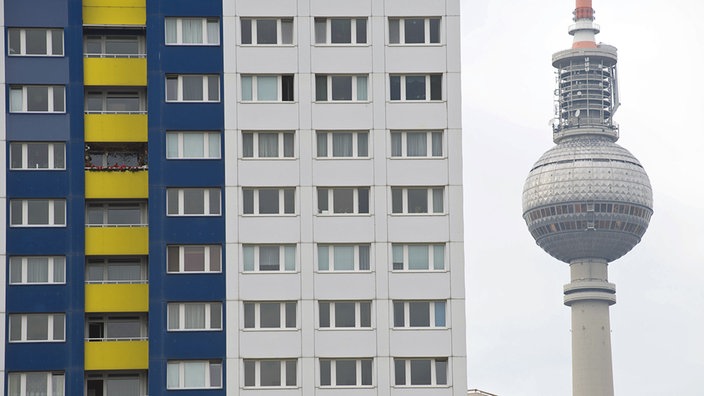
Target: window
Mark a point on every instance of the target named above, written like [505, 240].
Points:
[267, 31]
[414, 30]
[419, 314]
[122, 384]
[270, 315]
[193, 145]
[37, 99]
[192, 31]
[420, 372]
[343, 200]
[114, 46]
[343, 257]
[264, 201]
[119, 269]
[416, 144]
[416, 87]
[37, 155]
[418, 257]
[123, 213]
[115, 101]
[42, 327]
[122, 156]
[116, 327]
[270, 373]
[267, 258]
[417, 200]
[340, 30]
[339, 144]
[263, 88]
[37, 270]
[340, 88]
[194, 374]
[35, 42]
[269, 144]
[345, 372]
[193, 258]
[344, 314]
[37, 212]
[35, 383]
[193, 201]
[194, 316]
[192, 88]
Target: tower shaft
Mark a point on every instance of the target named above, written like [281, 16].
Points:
[589, 295]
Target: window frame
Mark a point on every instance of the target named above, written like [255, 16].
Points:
[115, 93]
[23, 41]
[51, 212]
[329, 82]
[253, 31]
[406, 306]
[358, 250]
[427, 33]
[104, 378]
[326, 203]
[408, 372]
[50, 99]
[431, 201]
[180, 365]
[327, 23]
[403, 251]
[24, 148]
[52, 262]
[105, 39]
[404, 144]
[430, 83]
[53, 378]
[361, 308]
[249, 364]
[208, 262]
[251, 81]
[205, 36]
[180, 88]
[331, 365]
[326, 139]
[209, 317]
[282, 201]
[256, 315]
[208, 137]
[105, 263]
[252, 252]
[283, 137]
[106, 206]
[181, 202]
[103, 320]
[50, 327]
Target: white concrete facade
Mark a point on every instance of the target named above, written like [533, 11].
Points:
[312, 230]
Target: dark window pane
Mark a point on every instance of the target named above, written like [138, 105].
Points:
[366, 372]
[363, 200]
[415, 87]
[249, 315]
[57, 42]
[396, 200]
[362, 144]
[287, 88]
[268, 201]
[399, 372]
[194, 259]
[289, 200]
[270, 373]
[441, 372]
[435, 30]
[37, 155]
[395, 87]
[393, 31]
[346, 372]
[291, 315]
[414, 31]
[249, 373]
[341, 31]
[322, 200]
[321, 87]
[269, 258]
[193, 201]
[269, 315]
[172, 258]
[35, 42]
[247, 201]
[14, 41]
[324, 312]
[344, 314]
[417, 200]
[361, 31]
[291, 373]
[341, 88]
[436, 87]
[320, 30]
[399, 314]
[248, 145]
[37, 212]
[343, 200]
[420, 372]
[365, 314]
[266, 31]
[288, 145]
[246, 31]
[325, 378]
[37, 98]
[172, 201]
[419, 314]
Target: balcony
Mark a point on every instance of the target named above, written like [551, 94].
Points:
[117, 355]
[115, 72]
[114, 12]
[117, 297]
[108, 241]
[115, 127]
[116, 184]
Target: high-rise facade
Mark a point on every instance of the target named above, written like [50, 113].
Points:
[232, 197]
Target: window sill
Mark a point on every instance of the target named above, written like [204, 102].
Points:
[324, 215]
[432, 158]
[342, 101]
[35, 341]
[317, 271]
[270, 329]
[342, 158]
[399, 101]
[403, 329]
[191, 45]
[98, 112]
[268, 101]
[192, 159]
[38, 284]
[38, 169]
[34, 56]
[287, 215]
[270, 272]
[194, 215]
[416, 44]
[193, 101]
[417, 214]
[192, 330]
[194, 273]
[37, 225]
[419, 386]
[420, 271]
[269, 158]
[38, 112]
[345, 329]
[341, 45]
[267, 45]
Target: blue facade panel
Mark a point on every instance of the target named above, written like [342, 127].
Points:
[38, 184]
[38, 127]
[37, 13]
[46, 356]
[38, 241]
[36, 70]
[37, 298]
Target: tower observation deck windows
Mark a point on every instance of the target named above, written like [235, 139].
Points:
[35, 42]
[192, 31]
[267, 31]
[422, 87]
[37, 156]
[414, 30]
[37, 99]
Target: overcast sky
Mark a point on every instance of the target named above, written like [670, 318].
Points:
[518, 328]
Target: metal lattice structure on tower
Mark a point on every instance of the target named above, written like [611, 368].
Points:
[587, 201]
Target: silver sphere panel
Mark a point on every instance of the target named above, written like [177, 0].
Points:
[587, 197]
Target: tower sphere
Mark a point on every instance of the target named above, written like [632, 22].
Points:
[587, 197]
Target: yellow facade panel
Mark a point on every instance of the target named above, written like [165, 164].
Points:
[117, 184]
[104, 241]
[131, 72]
[115, 127]
[114, 12]
[117, 297]
[116, 355]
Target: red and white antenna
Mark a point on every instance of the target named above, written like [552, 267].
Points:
[584, 28]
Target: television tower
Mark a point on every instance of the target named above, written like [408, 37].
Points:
[587, 201]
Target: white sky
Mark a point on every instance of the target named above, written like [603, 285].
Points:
[518, 328]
